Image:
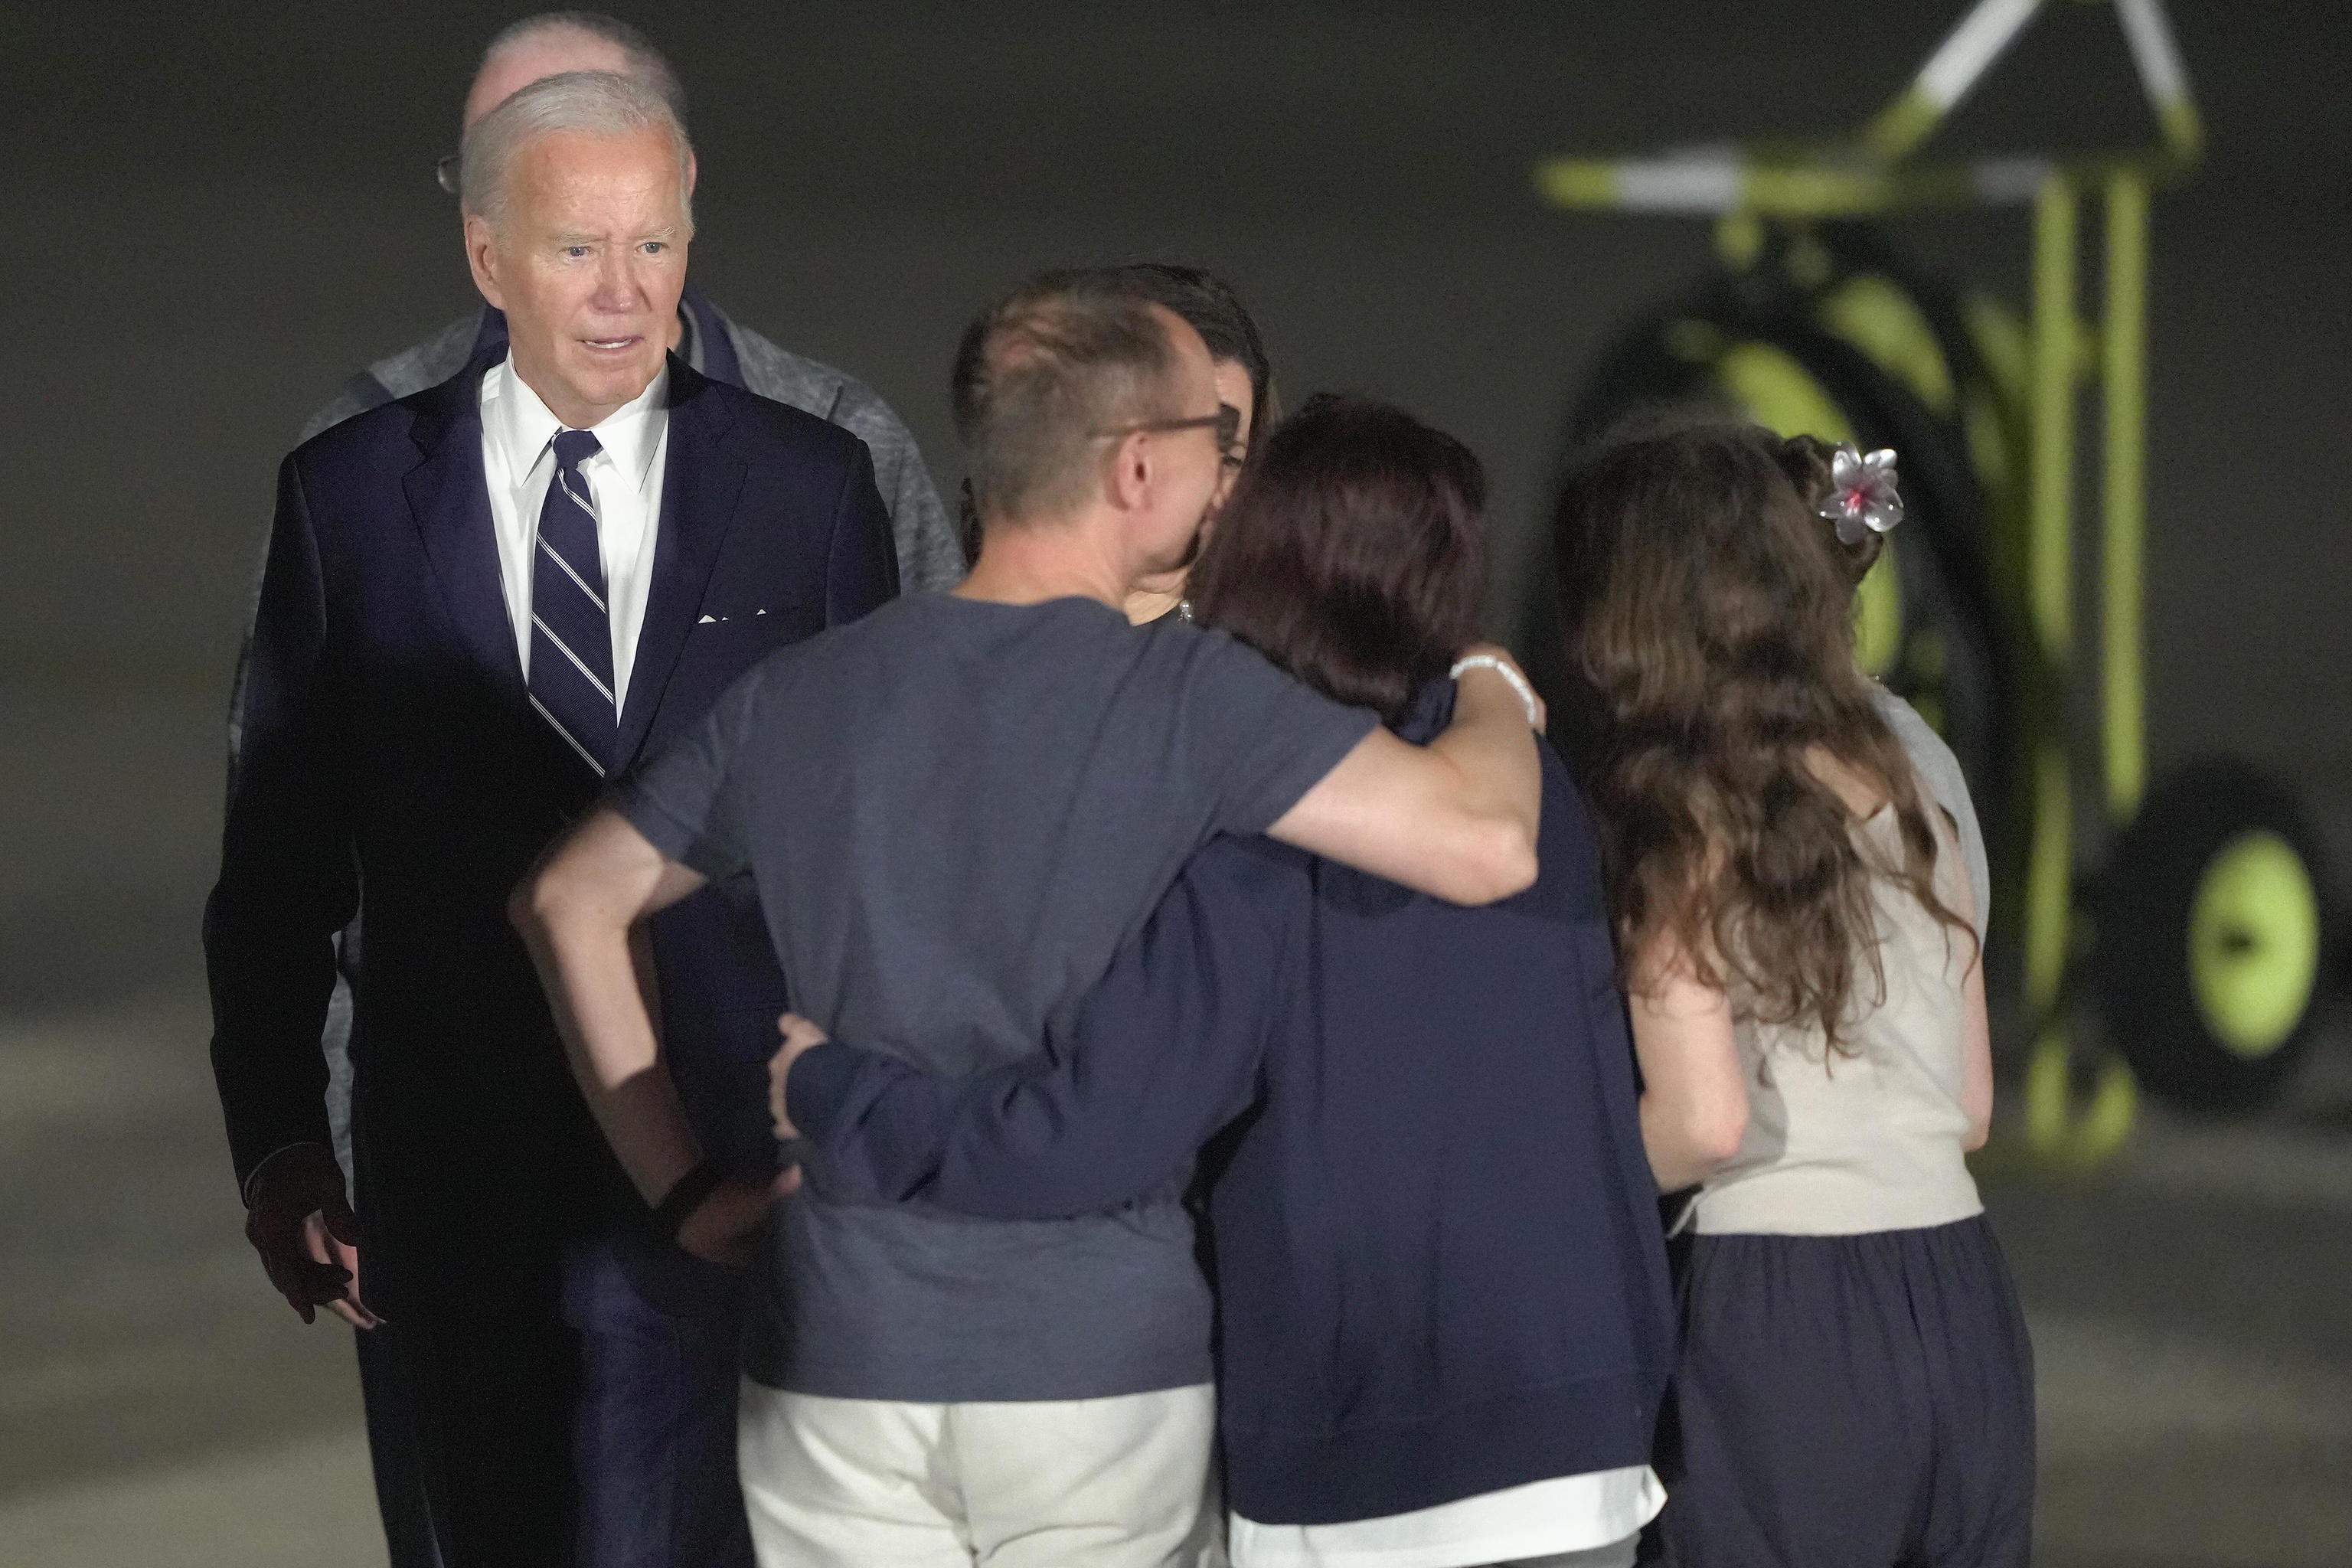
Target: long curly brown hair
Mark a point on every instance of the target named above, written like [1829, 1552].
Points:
[1710, 611]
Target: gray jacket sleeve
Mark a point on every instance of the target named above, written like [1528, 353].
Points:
[930, 557]
[1940, 772]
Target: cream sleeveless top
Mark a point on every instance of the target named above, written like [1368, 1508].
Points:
[1839, 1144]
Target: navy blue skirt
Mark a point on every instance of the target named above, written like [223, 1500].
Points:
[1848, 1402]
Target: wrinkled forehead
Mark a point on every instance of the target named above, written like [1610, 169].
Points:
[573, 176]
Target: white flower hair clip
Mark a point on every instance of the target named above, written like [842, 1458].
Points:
[1862, 498]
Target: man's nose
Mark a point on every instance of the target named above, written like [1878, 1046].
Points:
[617, 286]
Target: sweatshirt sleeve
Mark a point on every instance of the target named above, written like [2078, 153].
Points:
[1163, 1053]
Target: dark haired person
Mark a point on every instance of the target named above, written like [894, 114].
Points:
[1441, 1295]
[1854, 1386]
[951, 813]
[1211, 307]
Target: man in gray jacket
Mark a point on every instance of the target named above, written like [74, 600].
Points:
[929, 557]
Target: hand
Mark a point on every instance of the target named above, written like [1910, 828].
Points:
[1496, 650]
[720, 1228]
[800, 1036]
[303, 1224]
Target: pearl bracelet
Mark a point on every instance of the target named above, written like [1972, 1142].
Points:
[1518, 682]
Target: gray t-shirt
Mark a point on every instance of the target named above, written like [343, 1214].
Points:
[954, 812]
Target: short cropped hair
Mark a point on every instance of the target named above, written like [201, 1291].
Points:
[1038, 377]
[646, 63]
[595, 103]
[1351, 553]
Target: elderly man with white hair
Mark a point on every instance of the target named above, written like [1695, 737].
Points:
[479, 602]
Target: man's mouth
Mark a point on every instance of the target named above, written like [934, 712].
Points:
[611, 345]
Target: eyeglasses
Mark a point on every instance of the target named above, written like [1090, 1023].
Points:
[444, 172]
[1226, 422]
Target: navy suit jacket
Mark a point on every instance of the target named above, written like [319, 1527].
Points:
[391, 765]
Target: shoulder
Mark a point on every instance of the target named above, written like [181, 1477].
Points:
[1938, 768]
[383, 442]
[1187, 647]
[411, 370]
[365, 444]
[813, 387]
[764, 431]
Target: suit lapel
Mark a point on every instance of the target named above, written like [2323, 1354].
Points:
[700, 481]
[450, 500]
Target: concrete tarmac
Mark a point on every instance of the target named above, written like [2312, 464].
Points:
[2190, 1305]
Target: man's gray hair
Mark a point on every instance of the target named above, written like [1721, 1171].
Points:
[646, 63]
[592, 103]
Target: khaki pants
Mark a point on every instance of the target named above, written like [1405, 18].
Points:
[1084, 1483]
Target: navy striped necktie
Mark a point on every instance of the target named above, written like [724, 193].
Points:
[571, 629]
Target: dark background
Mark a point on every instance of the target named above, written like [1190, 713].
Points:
[220, 213]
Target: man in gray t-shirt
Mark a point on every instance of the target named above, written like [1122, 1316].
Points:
[1026, 781]
[953, 812]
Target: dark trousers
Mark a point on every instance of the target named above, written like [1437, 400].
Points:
[654, 1438]
[1848, 1402]
[597, 1431]
[392, 1451]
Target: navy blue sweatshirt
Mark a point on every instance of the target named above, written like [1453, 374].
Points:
[1433, 1233]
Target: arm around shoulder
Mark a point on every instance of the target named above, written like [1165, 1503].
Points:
[1457, 819]
[1165, 1051]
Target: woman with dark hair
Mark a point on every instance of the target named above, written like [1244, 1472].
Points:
[1441, 1295]
[1853, 1384]
[1208, 304]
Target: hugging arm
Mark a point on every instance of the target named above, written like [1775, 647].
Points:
[1456, 819]
[1163, 1053]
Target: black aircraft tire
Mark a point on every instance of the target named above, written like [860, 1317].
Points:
[2212, 935]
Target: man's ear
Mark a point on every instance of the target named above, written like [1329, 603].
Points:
[693, 168]
[481, 258]
[1129, 474]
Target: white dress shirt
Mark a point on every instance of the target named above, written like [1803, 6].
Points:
[625, 480]
[1541, 1519]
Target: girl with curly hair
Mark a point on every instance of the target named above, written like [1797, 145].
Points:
[1801, 949]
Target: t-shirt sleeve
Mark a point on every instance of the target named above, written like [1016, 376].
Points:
[687, 799]
[1258, 739]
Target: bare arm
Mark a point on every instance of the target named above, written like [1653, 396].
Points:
[1457, 818]
[575, 912]
[1694, 1094]
[1976, 1032]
